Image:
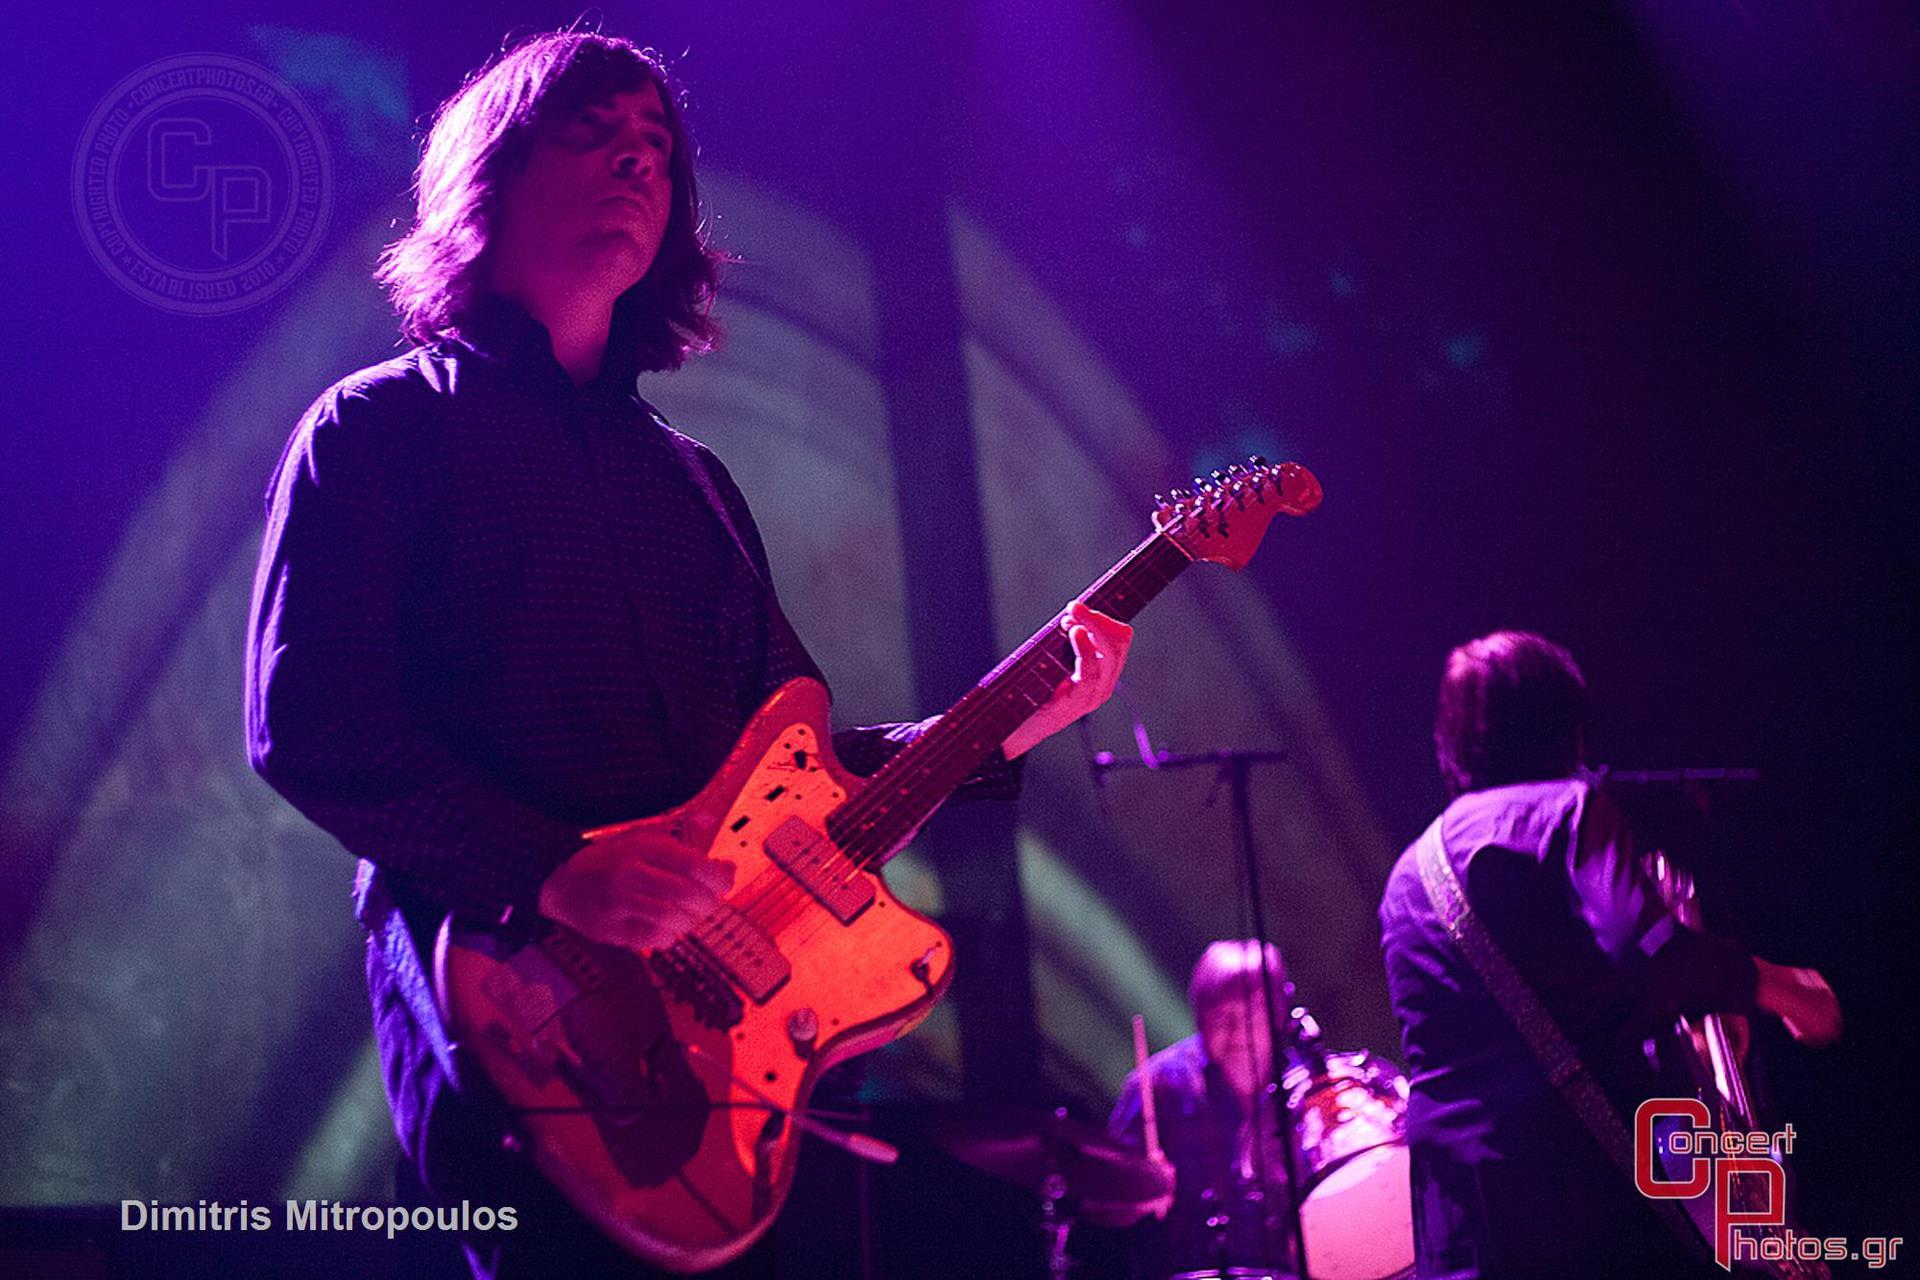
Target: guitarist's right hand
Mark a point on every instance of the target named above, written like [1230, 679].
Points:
[635, 888]
[1801, 999]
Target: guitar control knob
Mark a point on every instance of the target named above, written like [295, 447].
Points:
[922, 969]
[803, 1028]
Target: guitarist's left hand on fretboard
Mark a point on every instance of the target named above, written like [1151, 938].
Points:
[1099, 646]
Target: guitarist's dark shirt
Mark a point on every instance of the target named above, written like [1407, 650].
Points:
[494, 609]
[1506, 1179]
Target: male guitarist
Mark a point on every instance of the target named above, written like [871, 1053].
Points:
[1509, 1178]
[501, 603]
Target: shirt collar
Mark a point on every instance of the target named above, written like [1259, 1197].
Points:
[499, 328]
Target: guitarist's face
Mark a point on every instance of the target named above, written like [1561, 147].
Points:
[1239, 1039]
[592, 204]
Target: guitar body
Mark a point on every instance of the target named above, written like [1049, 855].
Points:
[658, 1092]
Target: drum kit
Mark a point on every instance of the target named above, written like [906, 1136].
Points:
[1349, 1115]
[1346, 1112]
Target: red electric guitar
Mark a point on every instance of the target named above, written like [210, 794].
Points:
[664, 1093]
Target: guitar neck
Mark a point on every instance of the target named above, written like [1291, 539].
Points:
[1718, 1072]
[873, 825]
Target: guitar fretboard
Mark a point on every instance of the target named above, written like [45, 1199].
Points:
[873, 825]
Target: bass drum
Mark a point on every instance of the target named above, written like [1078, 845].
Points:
[1357, 1214]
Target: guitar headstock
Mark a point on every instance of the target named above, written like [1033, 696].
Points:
[1224, 516]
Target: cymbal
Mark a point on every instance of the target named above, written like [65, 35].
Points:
[1029, 1146]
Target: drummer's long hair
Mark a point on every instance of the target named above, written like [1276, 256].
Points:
[1513, 708]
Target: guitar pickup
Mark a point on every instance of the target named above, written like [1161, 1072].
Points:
[744, 952]
[812, 859]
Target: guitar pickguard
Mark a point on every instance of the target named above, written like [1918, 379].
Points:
[591, 1018]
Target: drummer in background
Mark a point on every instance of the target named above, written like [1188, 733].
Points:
[1215, 1102]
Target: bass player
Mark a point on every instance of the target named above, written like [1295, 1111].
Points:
[1513, 1171]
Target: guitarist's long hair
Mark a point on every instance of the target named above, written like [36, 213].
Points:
[1513, 708]
[480, 139]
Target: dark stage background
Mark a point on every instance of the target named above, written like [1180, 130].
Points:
[1595, 318]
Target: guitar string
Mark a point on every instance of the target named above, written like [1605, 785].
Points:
[817, 923]
[876, 827]
[862, 802]
[786, 900]
[873, 821]
[1143, 572]
[1138, 574]
[775, 908]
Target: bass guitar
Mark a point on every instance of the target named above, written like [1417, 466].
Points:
[664, 1092]
[1712, 1066]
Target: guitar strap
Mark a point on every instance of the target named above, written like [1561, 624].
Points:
[1550, 1046]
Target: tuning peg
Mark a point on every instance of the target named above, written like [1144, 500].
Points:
[1178, 495]
[1257, 460]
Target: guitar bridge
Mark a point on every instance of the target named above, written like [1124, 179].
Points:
[693, 979]
[744, 952]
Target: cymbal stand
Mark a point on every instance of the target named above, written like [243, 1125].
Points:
[1057, 1226]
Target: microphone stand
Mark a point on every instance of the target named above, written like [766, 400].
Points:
[1235, 768]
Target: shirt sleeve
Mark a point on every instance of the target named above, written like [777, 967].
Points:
[330, 724]
[1673, 970]
[1127, 1124]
